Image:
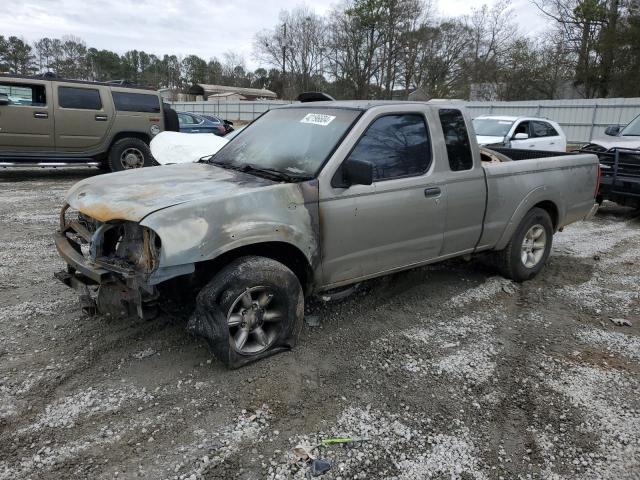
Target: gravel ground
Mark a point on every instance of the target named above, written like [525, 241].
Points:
[448, 371]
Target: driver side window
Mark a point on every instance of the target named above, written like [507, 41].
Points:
[397, 146]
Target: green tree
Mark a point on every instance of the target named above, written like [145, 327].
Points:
[103, 65]
[194, 70]
[18, 57]
[214, 72]
[3, 52]
[260, 78]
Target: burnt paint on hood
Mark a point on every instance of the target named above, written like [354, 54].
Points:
[134, 194]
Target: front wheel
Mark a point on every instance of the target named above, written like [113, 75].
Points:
[529, 247]
[129, 153]
[254, 307]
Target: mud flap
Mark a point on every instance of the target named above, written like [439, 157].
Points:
[209, 321]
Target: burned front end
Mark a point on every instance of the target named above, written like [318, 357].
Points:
[110, 263]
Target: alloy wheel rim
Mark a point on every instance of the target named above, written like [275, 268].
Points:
[533, 246]
[132, 158]
[254, 320]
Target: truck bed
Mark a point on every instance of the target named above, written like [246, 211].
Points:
[566, 182]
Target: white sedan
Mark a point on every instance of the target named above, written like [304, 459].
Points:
[525, 133]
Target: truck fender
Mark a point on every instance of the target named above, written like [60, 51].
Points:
[257, 241]
[534, 197]
[191, 240]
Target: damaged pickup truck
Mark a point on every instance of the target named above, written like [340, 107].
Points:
[313, 197]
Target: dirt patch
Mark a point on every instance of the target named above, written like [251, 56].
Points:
[447, 371]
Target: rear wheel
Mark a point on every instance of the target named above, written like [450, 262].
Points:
[261, 303]
[529, 247]
[129, 153]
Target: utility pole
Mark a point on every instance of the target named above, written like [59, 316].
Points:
[284, 57]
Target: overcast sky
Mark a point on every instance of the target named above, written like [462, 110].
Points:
[183, 27]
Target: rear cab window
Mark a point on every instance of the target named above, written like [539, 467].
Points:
[397, 145]
[456, 139]
[136, 102]
[79, 98]
[24, 94]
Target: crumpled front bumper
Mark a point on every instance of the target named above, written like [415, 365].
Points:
[120, 291]
[86, 272]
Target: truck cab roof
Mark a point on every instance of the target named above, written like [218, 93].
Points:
[369, 104]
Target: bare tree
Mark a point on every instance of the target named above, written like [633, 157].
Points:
[492, 33]
[297, 46]
[593, 31]
[354, 41]
[440, 62]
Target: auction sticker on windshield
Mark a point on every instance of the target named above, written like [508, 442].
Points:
[318, 119]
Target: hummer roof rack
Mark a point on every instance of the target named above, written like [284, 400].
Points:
[54, 76]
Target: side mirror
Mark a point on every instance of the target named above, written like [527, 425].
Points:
[358, 172]
[520, 136]
[4, 99]
[613, 130]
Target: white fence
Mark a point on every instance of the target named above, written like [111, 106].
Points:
[581, 120]
[244, 111]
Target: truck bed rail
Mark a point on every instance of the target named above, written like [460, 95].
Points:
[520, 154]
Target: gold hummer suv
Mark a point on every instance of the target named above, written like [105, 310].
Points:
[48, 121]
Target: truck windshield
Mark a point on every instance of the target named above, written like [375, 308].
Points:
[491, 127]
[633, 129]
[293, 141]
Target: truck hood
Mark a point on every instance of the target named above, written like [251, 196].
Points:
[134, 194]
[488, 140]
[622, 142]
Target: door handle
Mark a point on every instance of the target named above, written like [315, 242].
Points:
[40, 114]
[432, 191]
[101, 118]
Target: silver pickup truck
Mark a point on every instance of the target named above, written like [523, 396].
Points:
[309, 198]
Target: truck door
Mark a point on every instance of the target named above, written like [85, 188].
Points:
[83, 116]
[26, 116]
[396, 221]
[466, 188]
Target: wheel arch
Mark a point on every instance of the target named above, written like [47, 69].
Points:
[286, 253]
[539, 198]
[128, 134]
[552, 209]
